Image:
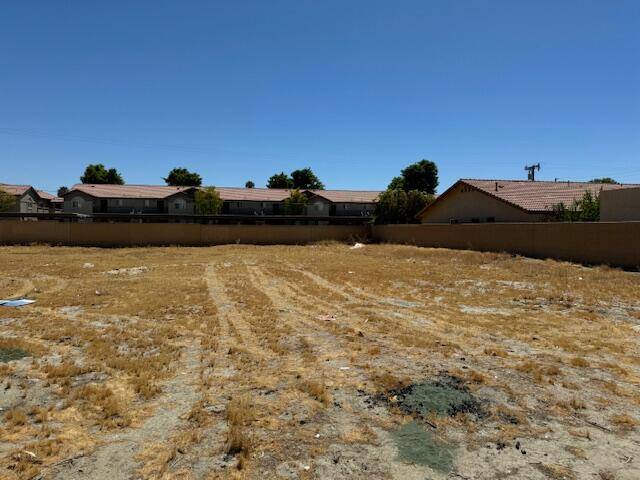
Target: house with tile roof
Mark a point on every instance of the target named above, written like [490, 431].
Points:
[28, 199]
[478, 201]
[91, 198]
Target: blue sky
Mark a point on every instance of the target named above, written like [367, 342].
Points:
[238, 90]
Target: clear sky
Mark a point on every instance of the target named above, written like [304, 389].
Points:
[238, 90]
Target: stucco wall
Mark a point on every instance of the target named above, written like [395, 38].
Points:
[465, 204]
[127, 234]
[620, 205]
[615, 243]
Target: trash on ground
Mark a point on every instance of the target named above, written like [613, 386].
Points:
[16, 303]
[356, 246]
[418, 445]
[128, 271]
[88, 265]
[327, 318]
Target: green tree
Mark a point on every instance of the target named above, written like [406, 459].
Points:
[62, 191]
[181, 177]
[208, 201]
[7, 201]
[585, 209]
[421, 176]
[97, 173]
[305, 178]
[296, 203]
[279, 180]
[249, 184]
[603, 180]
[398, 206]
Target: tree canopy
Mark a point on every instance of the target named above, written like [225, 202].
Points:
[398, 206]
[181, 177]
[62, 191]
[602, 180]
[249, 184]
[7, 201]
[585, 209]
[303, 179]
[97, 173]
[296, 203]
[279, 180]
[208, 201]
[421, 176]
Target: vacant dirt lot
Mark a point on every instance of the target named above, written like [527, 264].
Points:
[316, 362]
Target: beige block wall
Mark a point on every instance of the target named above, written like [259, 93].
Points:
[614, 243]
[620, 205]
[128, 234]
[464, 206]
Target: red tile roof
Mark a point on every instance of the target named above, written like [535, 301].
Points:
[17, 190]
[534, 197]
[255, 194]
[348, 196]
[128, 191]
[226, 193]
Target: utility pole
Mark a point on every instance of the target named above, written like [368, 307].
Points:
[531, 176]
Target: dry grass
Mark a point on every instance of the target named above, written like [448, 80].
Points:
[268, 355]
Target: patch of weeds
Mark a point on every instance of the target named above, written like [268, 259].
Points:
[445, 396]
[9, 354]
[417, 445]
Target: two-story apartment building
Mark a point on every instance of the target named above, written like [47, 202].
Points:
[136, 199]
[28, 199]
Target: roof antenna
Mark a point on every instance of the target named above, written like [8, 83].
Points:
[531, 176]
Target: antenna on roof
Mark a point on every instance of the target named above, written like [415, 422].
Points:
[531, 176]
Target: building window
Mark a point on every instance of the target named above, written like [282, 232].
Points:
[177, 205]
[491, 219]
[118, 202]
[475, 220]
[75, 204]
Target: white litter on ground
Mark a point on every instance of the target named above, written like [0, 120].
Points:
[16, 303]
[88, 265]
[356, 245]
[128, 271]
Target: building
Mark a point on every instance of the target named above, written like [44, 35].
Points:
[352, 203]
[620, 205]
[28, 199]
[90, 198]
[477, 201]
[136, 199]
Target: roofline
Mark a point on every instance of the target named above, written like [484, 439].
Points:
[465, 182]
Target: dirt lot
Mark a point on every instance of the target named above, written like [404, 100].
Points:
[316, 362]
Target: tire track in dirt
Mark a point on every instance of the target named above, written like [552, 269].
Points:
[230, 316]
[115, 457]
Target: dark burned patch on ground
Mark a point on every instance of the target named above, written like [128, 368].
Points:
[9, 354]
[446, 395]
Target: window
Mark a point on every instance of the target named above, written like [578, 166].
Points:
[75, 204]
[118, 202]
[491, 219]
[149, 203]
[475, 220]
[177, 205]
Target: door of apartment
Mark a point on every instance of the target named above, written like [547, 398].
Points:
[104, 206]
[161, 206]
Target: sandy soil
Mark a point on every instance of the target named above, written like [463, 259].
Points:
[287, 362]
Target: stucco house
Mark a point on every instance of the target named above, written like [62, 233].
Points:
[620, 205]
[28, 199]
[478, 201]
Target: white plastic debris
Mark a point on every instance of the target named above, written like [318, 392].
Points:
[16, 303]
[88, 265]
[128, 271]
[357, 245]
